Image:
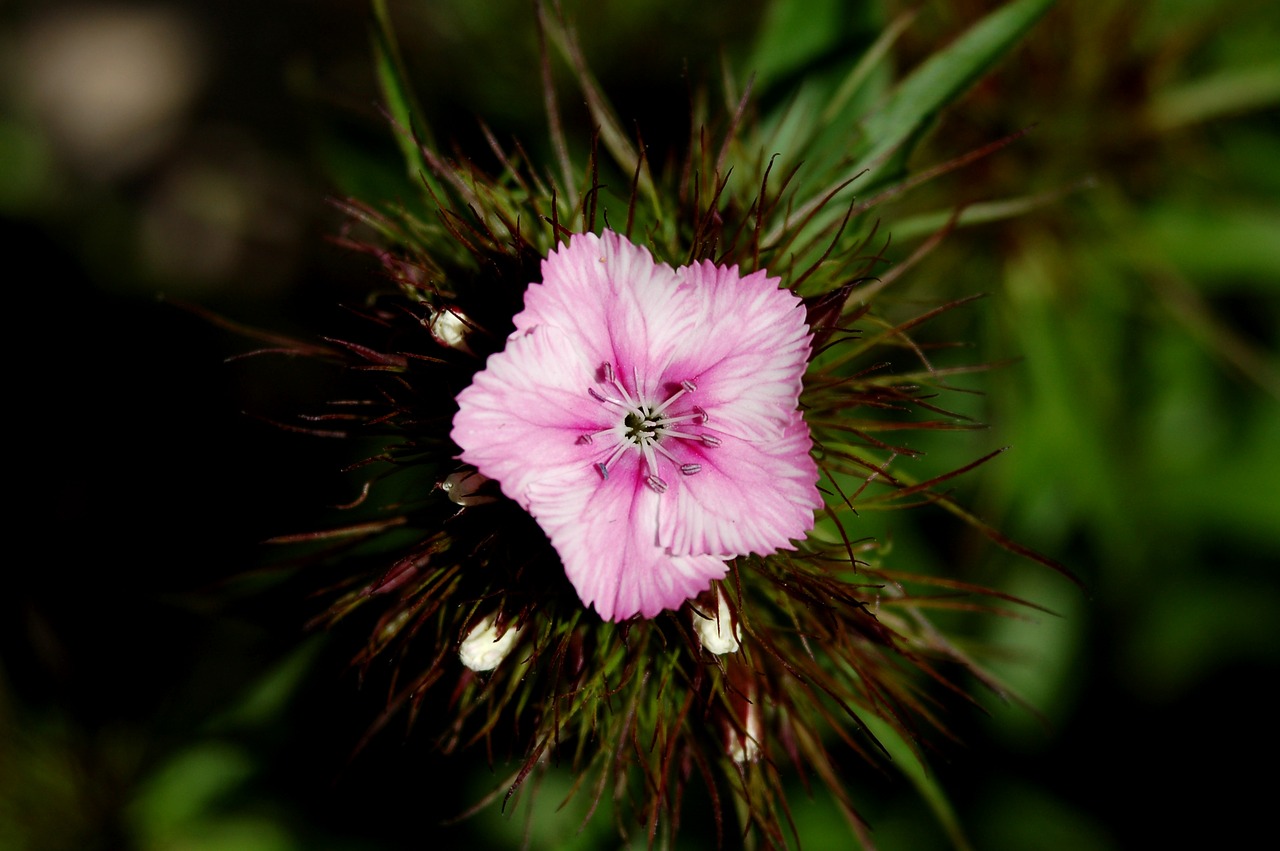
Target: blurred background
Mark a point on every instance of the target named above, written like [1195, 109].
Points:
[167, 152]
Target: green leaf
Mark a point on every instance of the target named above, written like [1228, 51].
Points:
[411, 131]
[793, 34]
[915, 770]
[1222, 246]
[1222, 94]
[190, 787]
[892, 131]
[981, 213]
[889, 134]
[861, 72]
[823, 110]
[616, 141]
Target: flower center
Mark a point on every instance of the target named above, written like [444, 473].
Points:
[642, 425]
[647, 427]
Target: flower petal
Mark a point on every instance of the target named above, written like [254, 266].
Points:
[748, 497]
[606, 534]
[615, 301]
[521, 417]
[749, 355]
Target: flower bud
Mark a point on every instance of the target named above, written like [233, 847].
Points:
[743, 745]
[461, 487]
[450, 328]
[720, 633]
[483, 648]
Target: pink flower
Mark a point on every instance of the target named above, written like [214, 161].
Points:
[647, 418]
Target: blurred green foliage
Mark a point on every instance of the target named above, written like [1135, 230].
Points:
[1137, 286]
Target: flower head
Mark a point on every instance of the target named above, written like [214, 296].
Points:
[647, 417]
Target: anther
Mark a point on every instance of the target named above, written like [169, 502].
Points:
[690, 469]
[597, 395]
[603, 470]
[709, 440]
[688, 385]
[702, 414]
[608, 372]
[658, 485]
[584, 440]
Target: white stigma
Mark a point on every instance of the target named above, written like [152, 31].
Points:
[646, 426]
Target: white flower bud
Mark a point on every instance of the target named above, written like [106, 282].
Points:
[745, 746]
[483, 649]
[450, 329]
[719, 634]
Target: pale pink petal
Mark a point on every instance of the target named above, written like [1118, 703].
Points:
[747, 498]
[606, 533]
[615, 301]
[750, 352]
[521, 418]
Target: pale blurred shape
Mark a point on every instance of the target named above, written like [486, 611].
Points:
[110, 85]
[223, 215]
[192, 229]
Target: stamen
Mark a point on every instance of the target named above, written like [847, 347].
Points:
[646, 449]
[644, 427]
[617, 453]
[608, 400]
[611, 377]
[656, 483]
[686, 386]
[670, 432]
[683, 418]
